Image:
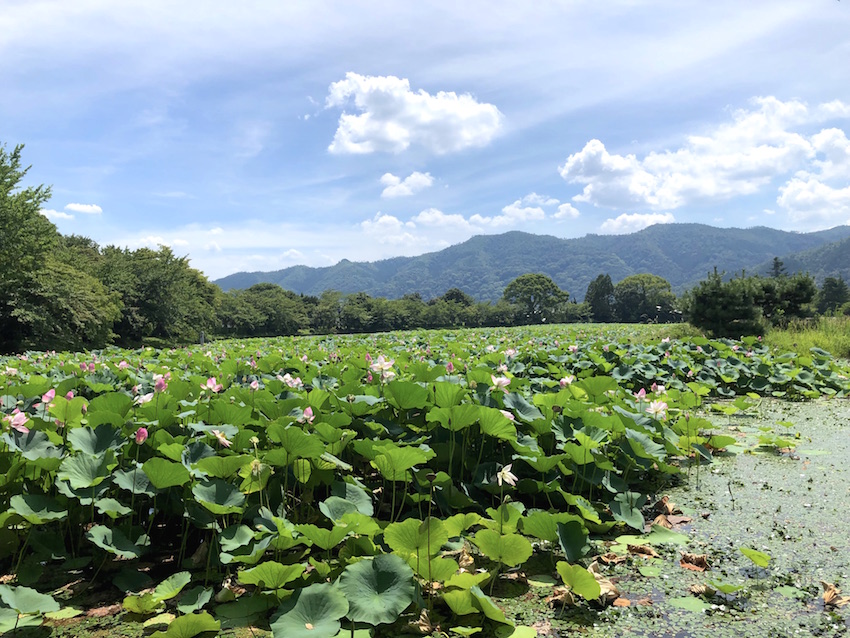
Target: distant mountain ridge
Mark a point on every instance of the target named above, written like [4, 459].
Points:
[482, 266]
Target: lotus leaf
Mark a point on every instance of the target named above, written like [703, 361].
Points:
[312, 612]
[378, 590]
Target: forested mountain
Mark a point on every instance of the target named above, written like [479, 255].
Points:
[829, 260]
[482, 266]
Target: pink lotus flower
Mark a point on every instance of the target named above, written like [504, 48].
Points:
[657, 388]
[70, 395]
[141, 435]
[290, 381]
[450, 367]
[255, 385]
[123, 365]
[48, 396]
[91, 367]
[212, 386]
[17, 421]
[221, 438]
[368, 357]
[304, 358]
[144, 398]
[308, 414]
[658, 410]
[160, 385]
[499, 383]
[573, 348]
[640, 395]
[381, 364]
[508, 415]
[567, 380]
[506, 476]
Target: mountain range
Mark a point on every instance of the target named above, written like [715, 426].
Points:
[482, 266]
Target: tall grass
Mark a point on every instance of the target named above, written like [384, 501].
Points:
[827, 333]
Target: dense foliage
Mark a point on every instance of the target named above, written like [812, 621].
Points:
[367, 479]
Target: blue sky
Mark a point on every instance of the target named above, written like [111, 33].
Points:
[260, 135]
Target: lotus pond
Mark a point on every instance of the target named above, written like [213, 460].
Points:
[373, 485]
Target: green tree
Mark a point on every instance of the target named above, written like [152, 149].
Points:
[536, 296]
[833, 294]
[725, 308]
[777, 269]
[600, 299]
[48, 300]
[643, 298]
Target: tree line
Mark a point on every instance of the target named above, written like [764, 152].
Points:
[69, 293]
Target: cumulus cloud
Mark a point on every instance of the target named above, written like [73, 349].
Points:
[631, 223]
[529, 208]
[88, 209]
[811, 200]
[388, 229]
[413, 183]
[53, 215]
[566, 211]
[435, 218]
[293, 254]
[739, 157]
[392, 117]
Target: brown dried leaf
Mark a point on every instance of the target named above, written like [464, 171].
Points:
[613, 559]
[622, 602]
[701, 590]
[465, 560]
[662, 520]
[102, 612]
[562, 596]
[664, 506]
[644, 602]
[695, 562]
[677, 520]
[831, 596]
[609, 592]
[642, 550]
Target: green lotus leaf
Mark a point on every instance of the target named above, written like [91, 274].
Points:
[37, 509]
[270, 575]
[111, 508]
[172, 586]
[355, 494]
[33, 445]
[116, 402]
[579, 580]
[297, 443]
[447, 394]
[189, 626]
[485, 605]
[466, 580]
[455, 418]
[689, 603]
[508, 549]
[494, 423]
[414, 539]
[460, 601]
[82, 471]
[164, 474]
[25, 600]
[142, 605]
[134, 481]
[313, 612]
[759, 559]
[626, 508]
[544, 525]
[10, 620]
[246, 611]
[406, 395]
[218, 496]
[393, 461]
[132, 581]
[97, 441]
[378, 590]
[436, 569]
[458, 523]
[322, 537]
[573, 538]
[524, 410]
[194, 599]
[222, 466]
[506, 519]
[114, 541]
[335, 508]
[255, 476]
[643, 445]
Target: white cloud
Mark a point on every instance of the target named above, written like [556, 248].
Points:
[432, 217]
[413, 183]
[519, 212]
[213, 247]
[293, 254]
[179, 242]
[88, 209]
[218, 230]
[53, 215]
[392, 117]
[388, 229]
[815, 202]
[736, 158]
[566, 211]
[630, 223]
